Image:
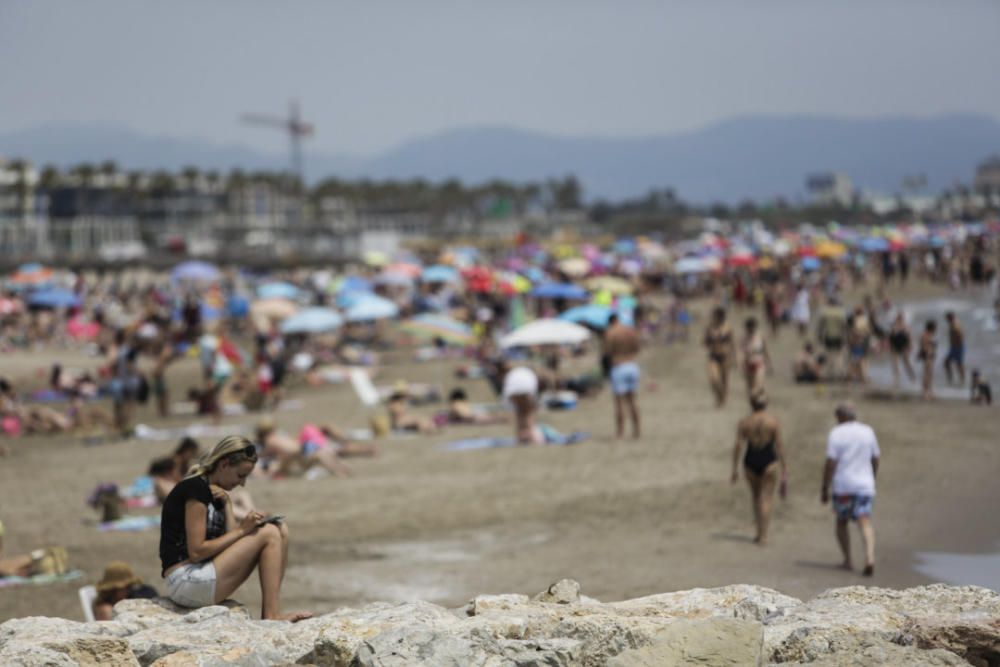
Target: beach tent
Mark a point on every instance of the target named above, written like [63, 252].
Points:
[54, 297]
[311, 321]
[559, 291]
[546, 332]
[194, 271]
[372, 308]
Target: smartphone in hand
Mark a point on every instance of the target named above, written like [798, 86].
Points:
[273, 518]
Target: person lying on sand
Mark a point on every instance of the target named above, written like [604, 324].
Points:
[322, 445]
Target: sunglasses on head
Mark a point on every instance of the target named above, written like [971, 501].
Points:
[250, 451]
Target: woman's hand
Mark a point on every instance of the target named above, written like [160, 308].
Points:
[250, 523]
[218, 493]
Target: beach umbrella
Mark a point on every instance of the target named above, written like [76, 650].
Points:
[691, 265]
[352, 284]
[559, 291]
[272, 309]
[478, 279]
[372, 308]
[54, 297]
[404, 269]
[440, 326]
[611, 284]
[873, 244]
[237, 306]
[391, 279]
[375, 258]
[811, 263]
[575, 267]
[312, 321]
[830, 249]
[278, 290]
[31, 275]
[546, 332]
[439, 273]
[595, 315]
[194, 271]
[743, 259]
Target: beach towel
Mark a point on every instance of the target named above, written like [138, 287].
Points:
[130, 524]
[364, 388]
[144, 432]
[140, 494]
[551, 435]
[40, 579]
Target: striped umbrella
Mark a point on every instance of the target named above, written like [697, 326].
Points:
[439, 326]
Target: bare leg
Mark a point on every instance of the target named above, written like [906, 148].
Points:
[895, 370]
[844, 539]
[633, 410]
[351, 448]
[909, 367]
[619, 417]
[16, 566]
[765, 501]
[868, 537]
[331, 461]
[715, 374]
[753, 480]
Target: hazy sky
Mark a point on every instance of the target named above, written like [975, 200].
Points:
[372, 74]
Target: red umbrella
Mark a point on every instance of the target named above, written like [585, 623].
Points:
[740, 260]
[805, 251]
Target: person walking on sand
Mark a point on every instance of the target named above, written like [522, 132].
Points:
[926, 354]
[900, 342]
[721, 354]
[621, 344]
[956, 348]
[205, 554]
[852, 462]
[756, 360]
[760, 434]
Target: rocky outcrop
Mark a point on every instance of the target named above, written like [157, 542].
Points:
[735, 625]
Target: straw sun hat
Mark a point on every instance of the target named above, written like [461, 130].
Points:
[118, 574]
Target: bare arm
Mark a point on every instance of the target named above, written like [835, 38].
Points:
[828, 470]
[200, 549]
[779, 449]
[875, 461]
[737, 448]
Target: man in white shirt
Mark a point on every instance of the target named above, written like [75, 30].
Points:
[852, 460]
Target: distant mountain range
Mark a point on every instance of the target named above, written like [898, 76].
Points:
[756, 157]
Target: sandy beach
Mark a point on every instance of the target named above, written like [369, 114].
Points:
[625, 519]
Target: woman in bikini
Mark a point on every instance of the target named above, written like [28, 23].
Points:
[756, 360]
[721, 354]
[762, 460]
[927, 353]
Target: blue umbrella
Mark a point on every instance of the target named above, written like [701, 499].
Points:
[811, 263]
[194, 271]
[354, 284]
[55, 297]
[312, 320]
[372, 308]
[595, 315]
[559, 291]
[238, 306]
[278, 290]
[874, 244]
[439, 274]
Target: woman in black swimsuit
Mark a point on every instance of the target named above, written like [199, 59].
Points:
[762, 460]
[899, 347]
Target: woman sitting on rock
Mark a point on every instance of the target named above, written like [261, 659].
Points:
[206, 555]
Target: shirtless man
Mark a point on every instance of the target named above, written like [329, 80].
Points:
[926, 354]
[621, 345]
[721, 354]
[956, 348]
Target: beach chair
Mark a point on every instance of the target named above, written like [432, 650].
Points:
[87, 596]
[364, 388]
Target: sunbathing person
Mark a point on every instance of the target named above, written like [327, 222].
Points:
[460, 411]
[118, 583]
[401, 420]
[323, 445]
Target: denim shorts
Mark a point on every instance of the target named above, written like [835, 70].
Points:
[625, 378]
[852, 507]
[192, 585]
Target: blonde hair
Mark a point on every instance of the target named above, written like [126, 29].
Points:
[231, 448]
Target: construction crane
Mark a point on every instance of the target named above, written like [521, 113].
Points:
[297, 130]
